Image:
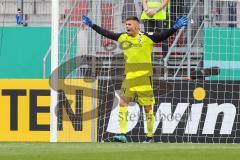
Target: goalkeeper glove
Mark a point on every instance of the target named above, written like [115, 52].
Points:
[87, 21]
[180, 22]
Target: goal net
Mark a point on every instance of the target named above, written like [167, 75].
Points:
[196, 71]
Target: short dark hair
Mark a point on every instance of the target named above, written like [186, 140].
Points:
[133, 18]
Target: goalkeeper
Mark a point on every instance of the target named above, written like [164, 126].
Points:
[137, 85]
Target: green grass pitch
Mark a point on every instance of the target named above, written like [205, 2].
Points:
[118, 151]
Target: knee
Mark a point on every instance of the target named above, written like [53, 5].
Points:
[123, 102]
[147, 108]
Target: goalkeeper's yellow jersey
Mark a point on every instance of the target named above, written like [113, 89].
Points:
[137, 54]
[137, 50]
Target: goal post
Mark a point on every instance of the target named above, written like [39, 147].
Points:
[54, 66]
[74, 85]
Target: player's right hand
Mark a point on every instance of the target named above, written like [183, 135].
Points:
[87, 21]
[180, 22]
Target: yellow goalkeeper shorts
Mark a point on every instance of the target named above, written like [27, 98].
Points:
[138, 89]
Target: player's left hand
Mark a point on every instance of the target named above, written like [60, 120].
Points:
[87, 21]
[180, 22]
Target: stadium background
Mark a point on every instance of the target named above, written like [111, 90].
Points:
[211, 39]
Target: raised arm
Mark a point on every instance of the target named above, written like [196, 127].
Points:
[106, 33]
[100, 30]
[158, 37]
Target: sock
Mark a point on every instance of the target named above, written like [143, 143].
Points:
[150, 123]
[123, 113]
